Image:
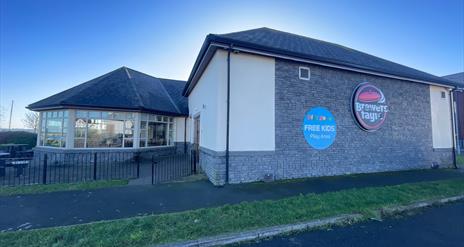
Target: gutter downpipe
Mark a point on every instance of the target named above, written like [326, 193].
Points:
[185, 135]
[457, 119]
[453, 129]
[228, 114]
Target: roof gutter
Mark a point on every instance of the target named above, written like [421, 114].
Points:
[103, 108]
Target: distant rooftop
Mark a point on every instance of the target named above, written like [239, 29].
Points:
[458, 78]
[124, 89]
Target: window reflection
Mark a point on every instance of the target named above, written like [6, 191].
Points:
[156, 131]
[103, 129]
[54, 129]
[106, 129]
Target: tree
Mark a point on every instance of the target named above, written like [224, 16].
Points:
[31, 120]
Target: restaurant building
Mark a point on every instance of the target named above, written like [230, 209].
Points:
[261, 105]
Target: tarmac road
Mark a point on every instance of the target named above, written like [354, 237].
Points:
[440, 226]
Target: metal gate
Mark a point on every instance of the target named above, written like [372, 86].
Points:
[173, 167]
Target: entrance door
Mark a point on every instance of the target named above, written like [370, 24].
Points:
[196, 138]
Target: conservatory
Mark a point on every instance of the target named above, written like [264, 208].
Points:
[104, 129]
[124, 110]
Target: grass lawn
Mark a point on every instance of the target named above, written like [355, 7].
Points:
[155, 229]
[460, 160]
[45, 188]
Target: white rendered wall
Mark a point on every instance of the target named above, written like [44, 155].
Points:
[208, 99]
[252, 103]
[189, 130]
[180, 129]
[441, 118]
[70, 125]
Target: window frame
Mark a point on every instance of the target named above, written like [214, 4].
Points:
[300, 68]
[69, 120]
[44, 129]
[147, 118]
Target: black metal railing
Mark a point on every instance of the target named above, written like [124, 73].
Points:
[74, 167]
[51, 168]
[168, 168]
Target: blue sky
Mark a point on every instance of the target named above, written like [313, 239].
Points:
[48, 46]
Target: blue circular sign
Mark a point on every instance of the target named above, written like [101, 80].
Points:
[319, 128]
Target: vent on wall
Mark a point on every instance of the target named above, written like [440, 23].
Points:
[304, 73]
[443, 95]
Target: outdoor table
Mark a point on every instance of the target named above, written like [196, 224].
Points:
[19, 164]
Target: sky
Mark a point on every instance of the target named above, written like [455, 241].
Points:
[48, 46]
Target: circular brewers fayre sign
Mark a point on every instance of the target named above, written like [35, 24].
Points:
[319, 128]
[369, 106]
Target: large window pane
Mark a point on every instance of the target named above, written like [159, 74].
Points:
[128, 143]
[54, 129]
[104, 133]
[79, 128]
[79, 143]
[81, 114]
[157, 134]
[94, 133]
[112, 131]
[94, 115]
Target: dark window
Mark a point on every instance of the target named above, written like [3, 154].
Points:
[443, 95]
[304, 73]
[157, 134]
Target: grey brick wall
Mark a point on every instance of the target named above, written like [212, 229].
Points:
[249, 166]
[404, 141]
[443, 156]
[213, 164]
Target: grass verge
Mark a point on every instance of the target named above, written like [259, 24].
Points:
[460, 160]
[156, 229]
[45, 188]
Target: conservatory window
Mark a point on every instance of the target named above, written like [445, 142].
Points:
[53, 128]
[156, 131]
[94, 129]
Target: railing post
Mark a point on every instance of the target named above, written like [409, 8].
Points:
[138, 165]
[2, 168]
[95, 166]
[195, 162]
[153, 169]
[191, 161]
[44, 174]
[193, 157]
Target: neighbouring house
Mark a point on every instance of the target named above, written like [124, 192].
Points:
[459, 99]
[264, 104]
